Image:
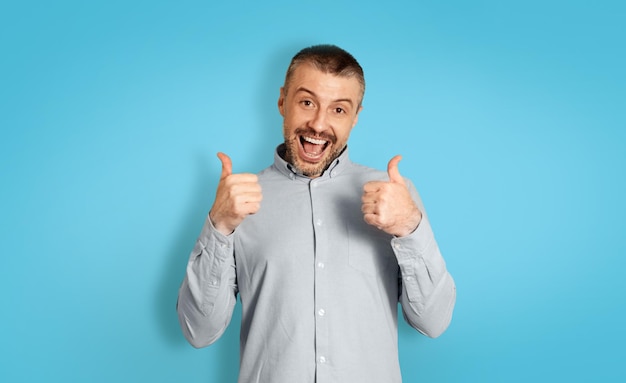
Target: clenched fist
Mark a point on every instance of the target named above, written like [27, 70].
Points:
[388, 204]
[237, 196]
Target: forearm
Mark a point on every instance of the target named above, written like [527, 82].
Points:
[207, 295]
[428, 292]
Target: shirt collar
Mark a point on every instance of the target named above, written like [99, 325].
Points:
[337, 166]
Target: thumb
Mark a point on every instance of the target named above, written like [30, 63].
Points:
[227, 165]
[392, 170]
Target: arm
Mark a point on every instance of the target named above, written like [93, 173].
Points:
[428, 292]
[208, 294]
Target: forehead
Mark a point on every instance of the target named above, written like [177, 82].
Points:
[322, 84]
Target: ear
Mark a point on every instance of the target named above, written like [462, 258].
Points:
[281, 101]
[356, 118]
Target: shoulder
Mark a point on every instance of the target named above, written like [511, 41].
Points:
[365, 173]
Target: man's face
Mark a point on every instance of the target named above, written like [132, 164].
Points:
[319, 110]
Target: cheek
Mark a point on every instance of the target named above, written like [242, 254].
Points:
[343, 133]
[289, 127]
[291, 122]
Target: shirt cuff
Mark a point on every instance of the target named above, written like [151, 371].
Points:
[414, 244]
[210, 235]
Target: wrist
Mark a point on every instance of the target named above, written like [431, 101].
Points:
[412, 224]
[219, 225]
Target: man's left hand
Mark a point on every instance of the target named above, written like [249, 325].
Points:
[388, 204]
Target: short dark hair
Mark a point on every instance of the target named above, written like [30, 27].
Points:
[328, 59]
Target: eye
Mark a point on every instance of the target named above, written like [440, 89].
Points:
[339, 110]
[307, 103]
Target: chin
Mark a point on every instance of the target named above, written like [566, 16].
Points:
[308, 169]
[315, 169]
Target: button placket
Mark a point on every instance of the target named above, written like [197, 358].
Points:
[320, 272]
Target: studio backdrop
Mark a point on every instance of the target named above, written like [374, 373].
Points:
[510, 117]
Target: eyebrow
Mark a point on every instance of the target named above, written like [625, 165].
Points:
[303, 89]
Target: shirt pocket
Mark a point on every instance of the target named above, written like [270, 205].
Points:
[369, 250]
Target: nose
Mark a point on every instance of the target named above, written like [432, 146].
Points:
[318, 120]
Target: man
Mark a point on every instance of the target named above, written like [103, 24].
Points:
[319, 249]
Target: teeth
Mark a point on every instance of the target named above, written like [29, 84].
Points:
[314, 141]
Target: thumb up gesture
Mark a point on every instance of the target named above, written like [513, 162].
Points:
[237, 196]
[388, 204]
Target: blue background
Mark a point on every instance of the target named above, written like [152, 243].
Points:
[510, 115]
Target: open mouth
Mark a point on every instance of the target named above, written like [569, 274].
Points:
[312, 149]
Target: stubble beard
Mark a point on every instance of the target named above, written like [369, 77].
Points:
[308, 169]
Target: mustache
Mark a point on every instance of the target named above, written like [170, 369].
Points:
[313, 134]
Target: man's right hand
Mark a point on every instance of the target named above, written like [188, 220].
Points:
[237, 196]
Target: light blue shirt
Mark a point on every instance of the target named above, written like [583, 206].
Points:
[319, 287]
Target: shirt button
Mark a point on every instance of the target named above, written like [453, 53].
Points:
[322, 359]
[318, 222]
[320, 265]
[322, 312]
